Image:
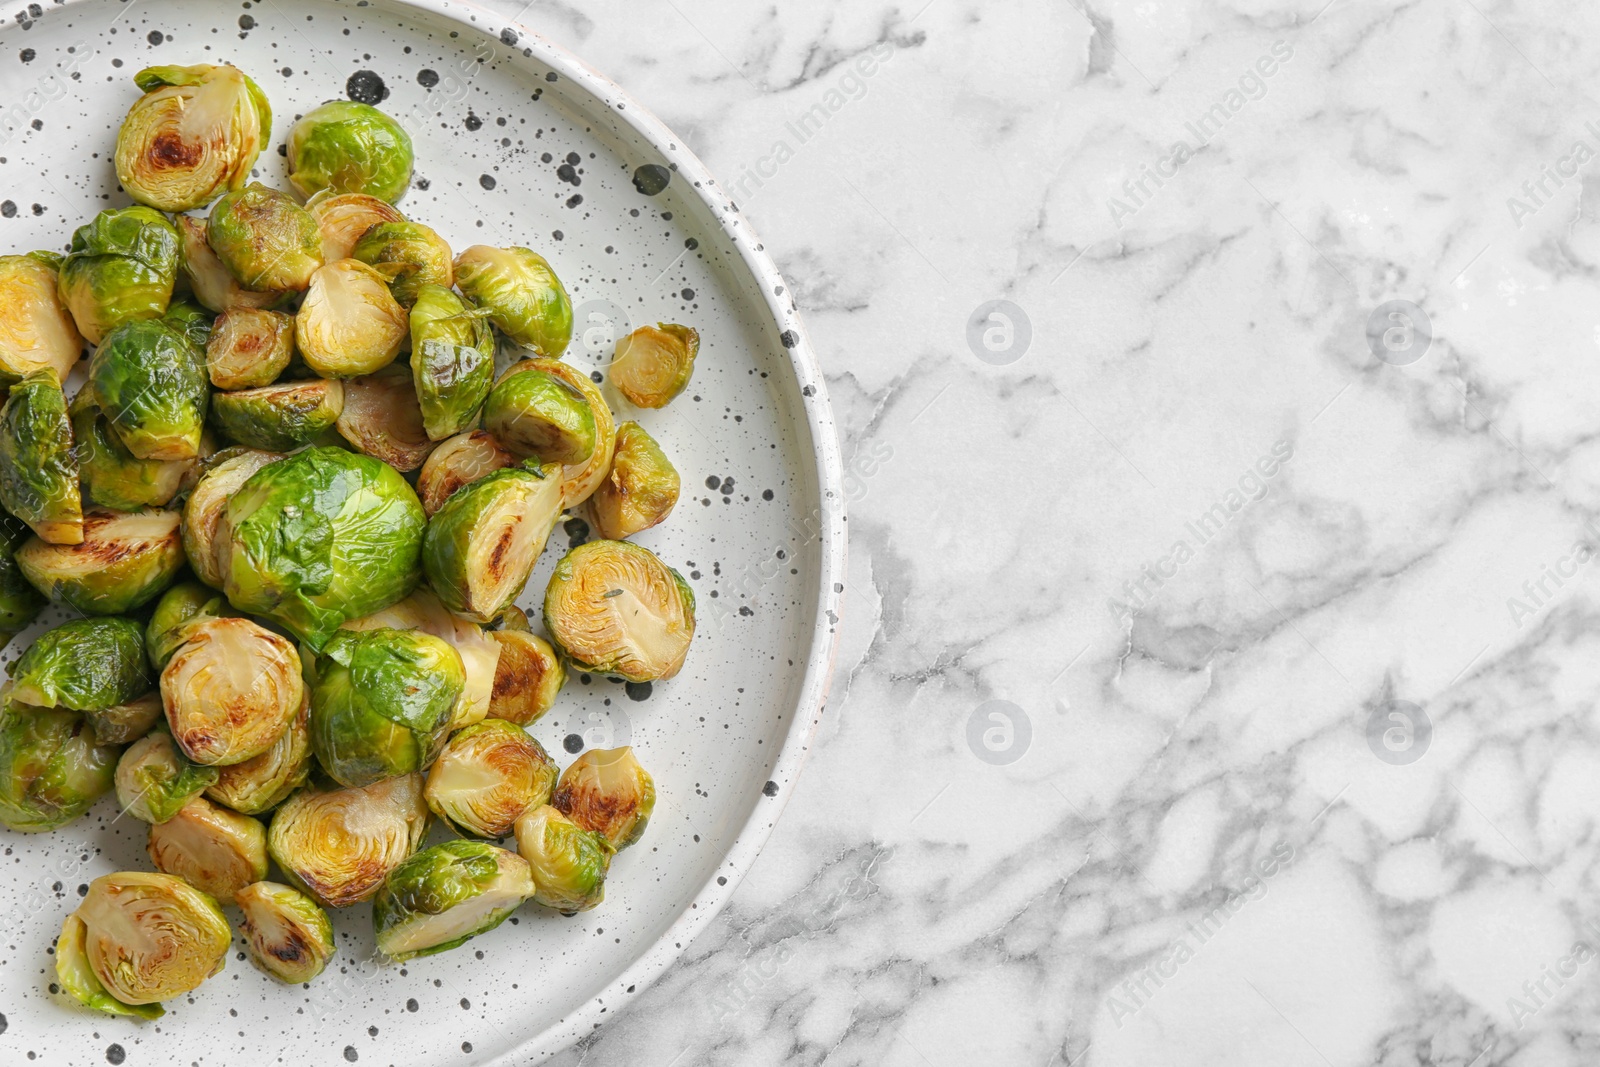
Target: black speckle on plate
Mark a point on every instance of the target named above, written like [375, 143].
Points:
[351, 1054]
[247, 22]
[770, 789]
[572, 743]
[156, 37]
[27, 55]
[472, 122]
[8, 208]
[651, 178]
[427, 78]
[638, 690]
[790, 339]
[486, 180]
[115, 1054]
[508, 36]
[365, 87]
[575, 199]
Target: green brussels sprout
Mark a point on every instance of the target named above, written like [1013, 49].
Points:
[286, 934]
[121, 267]
[151, 385]
[195, 132]
[125, 560]
[478, 651]
[409, 255]
[524, 296]
[155, 780]
[350, 147]
[213, 849]
[207, 506]
[52, 767]
[321, 537]
[653, 363]
[340, 844]
[178, 613]
[112, 476]
[481, 546]
[214, 286]
[77, 978]
[606, 790]
[578, 480]
[569, 863]
[534, 413]
[344, 217]
[191, 320]
[279, 417]
[459, 461]
[641, 490]
[85, 665]
[231, 690]
[452, 361]
[615, 608]
[249, 347]
[445, 895]
[381, 703]
[124, 724]
[150, 937]
[36, 330]
[348, 324]
[488, 776]
[20, 602]
[381, 418]
[261, 784]
[266, 240]
[527, 677]
[38, 461]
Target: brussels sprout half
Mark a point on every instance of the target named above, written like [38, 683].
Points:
[214, 286]
[258, 785]
[121, 267]
[208, 504]
[180, 610]
[578, 480]
[154, 779]
[321, 537]
[151, 385]
[340, 844]
[409, 255]
[78, 980]
[286, 934]
[524, 296]
[381, 418]
[653, 363]
[20, 602]
[349, 325]
[381, 704]
[527, 677]
[36, 330]
[641, 489]
[446, 895]
[150, 937]
[38, 461]
[266, 240]
[52, 767]
[458, 461]
[350, 147]
[123, 724]
[249, 347]
[125, 560]
[478, 650]
[615, 608]
[85, 665]
[213, 849]
[569, 863]
[607, 791]
[344, 217]
[452, 361]
[279, 417]
[112, 476]
[534, 413]
[230, 691]
[488, 776]
[195, 132]
[482, 544]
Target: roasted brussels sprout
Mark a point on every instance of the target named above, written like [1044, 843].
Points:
[122, 267]
[279, 417]
[534, 413]
[85, 665]
[191, 320]
[654, 363]
[478, 650]
[488, 776]
[249, 347]
[214, 286]
[382, 702]
[287, 935]
[340, 844]
[151, 937]
[569, 863]
[213, 849]
[20, 602]
[155, 779]
[350, 147]
[447, 894]
[321, 537]
[124, 724]
[348, 324]
[36, 330]
[38, 461]
[261, 784]
[615, 608]
[266, 240]
[482, 544]
[230, 691]
[526, 299]
[452, 360]
[112, 476]
[52, 767]
[150, 383]
[124, 560]
[459, 461]
[641, 489]
[381, 418]
[208, 505]
[195, 132]
[181, 609]
[409, 255]
[344, 217]
[578, 480]
[527, 677]
[77, 978]
[607, 791]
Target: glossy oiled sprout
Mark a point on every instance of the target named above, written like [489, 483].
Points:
[266, 240]
[607, 791]
[344, 217]
[452, 361]
[641, 489]
[213, 849]
[535, 413]
[77, 979]
[458, 461]
[482, 544]
[578, 480]
[123, 724]
[121, 267]
[112, 476]
[615, 608]
[340, 844]
[231, 691]
[447, 894]
[213, 284]
[249, 347]
[20, 602]
[258, 785]
[489, 776]
[654, 363]
[124, 560]
[84, 665]
[382, 419]
[36, 330]
[349, 324]
[349, 147]
[38, 462]
[286, 934]
[150, 384]
[195, 132]
[479, 652]
[279, 417]
[222, 478]
[569, 863]
[527, 677]
[526, 299]
[180, 611]
[409, 254]
[149, 937]
[154, 779]
[52, 767]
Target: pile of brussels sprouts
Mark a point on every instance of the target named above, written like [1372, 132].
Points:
[291, 505]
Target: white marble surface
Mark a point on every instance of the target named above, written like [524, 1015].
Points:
[1200, 856]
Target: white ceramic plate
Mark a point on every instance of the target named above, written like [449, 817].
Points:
[517, 143]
